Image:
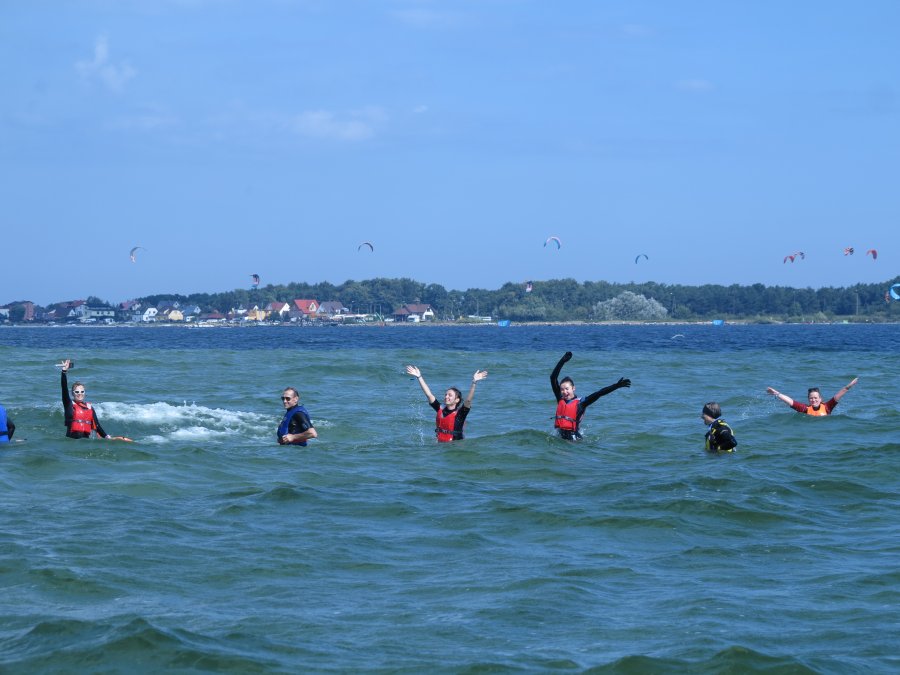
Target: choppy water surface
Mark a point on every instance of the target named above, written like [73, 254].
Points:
[206, 547]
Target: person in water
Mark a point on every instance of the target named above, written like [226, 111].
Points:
[296, 428]
[7, 428]
[450, 420]
[81, 417]
[815, 407]
[719, 436]
[569, 409]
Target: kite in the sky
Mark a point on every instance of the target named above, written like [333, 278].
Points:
[255, 278]
[639, 256]
[554, 239]
[849, 250]
[794, 256]
[872, 252]
[366, 243]
[133, 251]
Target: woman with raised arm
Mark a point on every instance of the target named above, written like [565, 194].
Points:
[450, 420]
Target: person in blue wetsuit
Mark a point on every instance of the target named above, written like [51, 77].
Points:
[719, 436]
[7, 428]
[569, 409]
[296, 428]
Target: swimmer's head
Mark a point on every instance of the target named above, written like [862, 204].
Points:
[567, 388]
[712, 410]
[453, 396]
[814, 397]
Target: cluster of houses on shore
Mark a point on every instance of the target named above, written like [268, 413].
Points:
[301, 310]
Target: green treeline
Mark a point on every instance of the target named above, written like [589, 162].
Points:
[569, 300]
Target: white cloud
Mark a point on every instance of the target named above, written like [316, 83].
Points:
[113, 76]
[354, 126]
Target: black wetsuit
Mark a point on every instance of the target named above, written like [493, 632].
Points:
[68, 408]
[720, 437]
[582, 403]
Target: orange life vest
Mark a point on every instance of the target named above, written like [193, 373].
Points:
[82, 418]
[445, 426]
[821, 412]
[566, 412]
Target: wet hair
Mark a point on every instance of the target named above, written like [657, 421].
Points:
[295, 392]
[813, 389]
[458, 393]
[567, 379]
[78, 384]
[713, 409]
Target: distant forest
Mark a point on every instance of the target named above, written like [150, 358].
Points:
[569, 300]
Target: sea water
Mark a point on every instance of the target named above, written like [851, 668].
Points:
[206, 547]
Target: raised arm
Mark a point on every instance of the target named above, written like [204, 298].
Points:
[479, 375]
[554, 376]
[623, 382]
[64, 383]
[780, 396]
[416, 373]
[838, 396]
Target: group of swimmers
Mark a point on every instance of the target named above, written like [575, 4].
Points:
[296, 427]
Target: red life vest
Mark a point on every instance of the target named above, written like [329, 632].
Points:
[82, 418]
[445, 425]
[566, 412]
[821, 412]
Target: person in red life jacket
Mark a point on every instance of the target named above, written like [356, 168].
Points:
[450, 420]
[569, 409]
[296, 428]
[815, 408]
[81, 417]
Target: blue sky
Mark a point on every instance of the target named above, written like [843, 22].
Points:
[234, 137]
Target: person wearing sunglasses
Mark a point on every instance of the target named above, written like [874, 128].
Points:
[81, 417]
[296, 428]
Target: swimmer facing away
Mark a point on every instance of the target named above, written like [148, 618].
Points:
[815, 408]
[719, 436]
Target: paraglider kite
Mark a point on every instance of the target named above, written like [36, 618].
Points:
[554, 239]
[794, 256]
[133, 251]
[639, 256]
[872, 252]
[366, 243]
[848, 250]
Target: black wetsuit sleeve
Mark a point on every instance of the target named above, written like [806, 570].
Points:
[554, 378]
[10, 428]
[299, 423]
[587, 400]
[435, 405]
[66, 400]
[100, 432]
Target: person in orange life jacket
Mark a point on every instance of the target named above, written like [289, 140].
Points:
[815, 407]
[7, 428]
[569, 410]
[449, 422]
[719, 436]
[296, 427]
[81, 418]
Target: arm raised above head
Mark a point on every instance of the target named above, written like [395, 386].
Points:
[416, 373]
[478, 376]
[843, 390]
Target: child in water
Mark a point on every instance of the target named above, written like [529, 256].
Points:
[719, 436]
